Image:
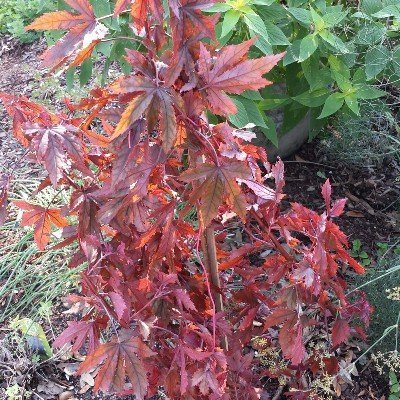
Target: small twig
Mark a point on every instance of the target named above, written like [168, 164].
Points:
[112, 15]
[310, 162]
[122, 38]
[275, 241]
[38, 395]
[278, 393]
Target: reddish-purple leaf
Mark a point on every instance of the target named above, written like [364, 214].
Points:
[119, 359]
[326, 194]
[78, 333]
[340, 332]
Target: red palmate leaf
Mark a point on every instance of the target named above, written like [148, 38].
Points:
[279, 316]
[187, 15]
[80, 332]
[207, 381]
[292, 343]
[233, 73]
[340, 331]
[53, 144]
[42, 219]
[83, 29]
[121, 359]
[326, 194]
[154, 100]
[129, 185]
[121, 5]
[218, 184]
[141, 9]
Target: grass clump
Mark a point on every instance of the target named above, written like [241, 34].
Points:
[30, 278]
[382, 287]
[366, 140]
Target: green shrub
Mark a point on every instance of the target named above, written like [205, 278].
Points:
[380, 283]
[16, 14]
[335, 54]
[363, 140]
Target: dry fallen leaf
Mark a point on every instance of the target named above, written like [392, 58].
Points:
[67, 395]
[86, 379]
[355, 214]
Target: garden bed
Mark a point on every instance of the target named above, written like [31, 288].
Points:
[372, 213]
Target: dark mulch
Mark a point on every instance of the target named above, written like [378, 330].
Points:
[373, 208]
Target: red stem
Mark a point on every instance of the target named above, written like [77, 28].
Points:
[273, 238]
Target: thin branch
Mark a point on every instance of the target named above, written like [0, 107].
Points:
[275, 241]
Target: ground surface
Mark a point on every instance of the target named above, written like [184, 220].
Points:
[372, 213]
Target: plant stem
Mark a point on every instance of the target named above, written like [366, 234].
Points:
[397, 332]
[273, 238]
[111, 15]
[211, 263]
[390, 271]
[122, 38]
[210, 255]
[387, 331]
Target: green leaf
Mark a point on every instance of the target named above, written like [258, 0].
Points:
[370, 6]
[269, 131]
[314, 98]
[256, 24]
[263, 2]
[333, 18]
[247, 113]
[229, 22]
[292, 53]
[274, 12]
[318, 20]
[252, 95]
[334, 41]
[308, 45]
[338, 66]
[70, 78]
[86, 72]
[223, 40]
[276, 37]
[34, 334]
[340, 72]
[356, 245]
[316, 78]
[257, 28]
[370, 34]
[332, 104]
[273, 101]
[321, 5]
[102, 8]
[104, 48]
[296, 3]
[396, 60]
[392, 377]
[106, 69]
[301, 15]
[388, 11]
[219, 7]
[359, 76]
[365, 92]
[376, 59]
[352, 103]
